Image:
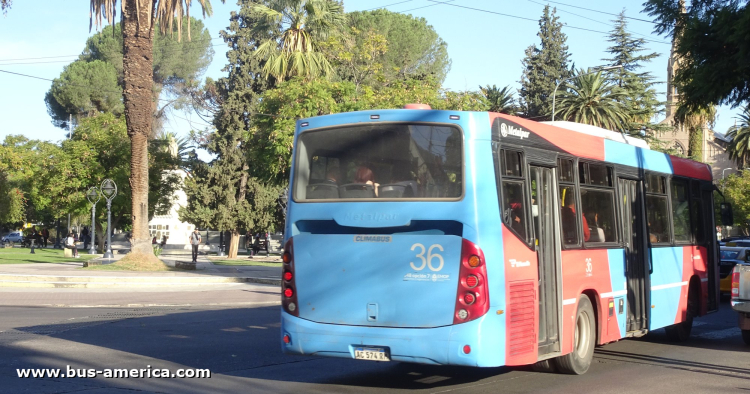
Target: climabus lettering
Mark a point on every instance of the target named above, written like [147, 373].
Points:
[427, 261]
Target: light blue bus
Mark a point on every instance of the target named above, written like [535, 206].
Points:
[482, 239]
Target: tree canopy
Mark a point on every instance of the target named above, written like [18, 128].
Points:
[713, 48]
[296, 28]
[93, 83]
[593, 100]
[415, 50]
[84, 89]
[739, 148]
[543, 67]
[640, 100]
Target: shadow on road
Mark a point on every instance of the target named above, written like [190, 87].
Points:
[239, 343]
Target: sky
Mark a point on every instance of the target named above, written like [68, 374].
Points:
[486, 42]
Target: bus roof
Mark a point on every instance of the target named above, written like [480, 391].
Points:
[578, 140]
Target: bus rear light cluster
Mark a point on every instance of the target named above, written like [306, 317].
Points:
[736, 282]
[288, 294]
[472, 296]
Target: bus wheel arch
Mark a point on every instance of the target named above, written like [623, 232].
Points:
[585, 333]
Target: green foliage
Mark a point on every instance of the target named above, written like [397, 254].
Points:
[176, 61]
[102, 144]
[739, 148]
[641, 100]
[84, 89]
[357, 56]
[592, 100]
[712, 48]
[296, 28]
[93, 84]
[500, 100]
[272, 141]
[543, 67]
[415, 50]
[225, 194]
[736, 188]
[696, 119]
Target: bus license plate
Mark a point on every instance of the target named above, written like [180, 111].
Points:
[373, 354]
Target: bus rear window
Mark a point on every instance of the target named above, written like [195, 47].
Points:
[382, 161]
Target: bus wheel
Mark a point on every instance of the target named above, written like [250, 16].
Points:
[680, 332]
[584, 340]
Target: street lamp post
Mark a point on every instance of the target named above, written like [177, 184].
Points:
[57, 235]
[554, 92]
[109, 190]
[93, 196]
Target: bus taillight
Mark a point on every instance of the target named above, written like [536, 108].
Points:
[288, 295]
[472, 296]
[736, 282]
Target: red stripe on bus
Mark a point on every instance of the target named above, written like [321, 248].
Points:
[691, 169]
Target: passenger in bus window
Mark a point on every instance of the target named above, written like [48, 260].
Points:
[332, 176]
[569, 211]
[365, 175]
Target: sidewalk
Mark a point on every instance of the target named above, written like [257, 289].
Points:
[71, 275]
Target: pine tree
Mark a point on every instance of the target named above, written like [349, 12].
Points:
[543, 67]
[223, 193]
[641, 100]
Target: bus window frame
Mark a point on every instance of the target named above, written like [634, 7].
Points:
[667, 194]
[499, 158]
[584, 184]
[297, 153]
[577, 196]
[691, 240]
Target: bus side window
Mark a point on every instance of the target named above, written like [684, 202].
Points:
[568, 215]
[514, 214]
[680, 211]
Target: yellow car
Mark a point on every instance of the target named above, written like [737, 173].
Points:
[730, 255]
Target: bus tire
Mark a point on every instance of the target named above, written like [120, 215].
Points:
[579, 360]
[547, 365]
[680, 332]
[746, 337]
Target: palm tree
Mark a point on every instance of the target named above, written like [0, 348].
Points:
[501, 100]
[739, 148]
[138, 22]
[297, 27]
[592, 99]
[695, 120]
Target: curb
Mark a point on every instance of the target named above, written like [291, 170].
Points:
[104, 282]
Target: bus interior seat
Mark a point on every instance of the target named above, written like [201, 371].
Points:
[357, 190]
[396, 190]
[322, 191]
[597, 234]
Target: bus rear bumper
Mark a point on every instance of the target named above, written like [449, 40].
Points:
[439, 345]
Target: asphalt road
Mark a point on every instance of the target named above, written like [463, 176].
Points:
[240, 346]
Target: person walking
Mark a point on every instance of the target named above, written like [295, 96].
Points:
[195, 240]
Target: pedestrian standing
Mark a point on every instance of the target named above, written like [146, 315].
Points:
[195, 240]
[86, 238]
[45, 236]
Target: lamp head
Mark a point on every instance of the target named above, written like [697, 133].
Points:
[109, 189]
[93, 195]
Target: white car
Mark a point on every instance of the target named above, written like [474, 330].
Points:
[15, 236]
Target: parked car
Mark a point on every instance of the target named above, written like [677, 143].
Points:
[741, 298]
[15, 236]
[730, 256]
